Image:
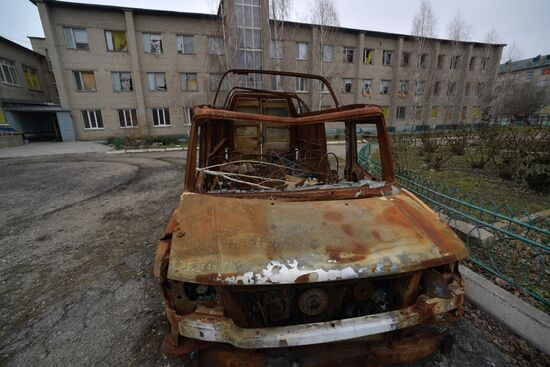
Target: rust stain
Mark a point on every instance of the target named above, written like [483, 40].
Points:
[347, 229]
[376, 235]
[333, 216]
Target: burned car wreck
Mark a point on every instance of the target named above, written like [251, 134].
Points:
[281, 253]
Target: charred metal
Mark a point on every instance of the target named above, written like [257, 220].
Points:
[288, 247]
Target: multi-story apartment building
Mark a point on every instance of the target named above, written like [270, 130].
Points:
[27, 96]
[138, 71]
[514, 76]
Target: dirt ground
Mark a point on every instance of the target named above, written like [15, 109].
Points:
[78, 235]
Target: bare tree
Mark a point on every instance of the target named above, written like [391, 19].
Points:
[505, 91]
[458, 31]
[280, 12]
[324, 16]
[524, 99]
[487, 96]
[424, 30]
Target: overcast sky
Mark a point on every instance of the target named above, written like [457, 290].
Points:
[525, 21]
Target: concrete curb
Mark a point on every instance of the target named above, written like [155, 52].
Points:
[525, 320]
[150, 150]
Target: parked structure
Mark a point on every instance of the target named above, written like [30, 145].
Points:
[126, 71]
[27, 95]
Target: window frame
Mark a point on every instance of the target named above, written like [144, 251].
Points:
[147, 43]
[366, 56]
[154, 79]
[324, 57]
[129, 115]
[302, 82]
[72, 31]
[165, 117]
[187, 89]
[405, 59]
[12, 69]
[97, 122]
[81, 80]
[306, 45]
[382, 90]
[345, 82]
[387, 54]
[32, 72]
[276, 49]
[113, 41]
[346, 52]
[215, 46]
[183, 50]
[187, 115]
[402, 115]
[364, 90]
[113, 73]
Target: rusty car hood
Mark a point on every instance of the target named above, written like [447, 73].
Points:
[224, 240]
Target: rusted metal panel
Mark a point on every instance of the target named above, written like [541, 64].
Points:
[257, 241]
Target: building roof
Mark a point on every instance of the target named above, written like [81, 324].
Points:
[19, 47]
[67, 4]
[540, 61]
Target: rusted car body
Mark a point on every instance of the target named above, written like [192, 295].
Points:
[278, 253]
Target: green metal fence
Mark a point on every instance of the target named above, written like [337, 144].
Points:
[513, 246]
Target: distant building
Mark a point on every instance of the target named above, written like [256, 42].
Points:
[533, 72]
[131, 72]
[28, 95]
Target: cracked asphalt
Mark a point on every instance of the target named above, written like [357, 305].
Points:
[78, 235]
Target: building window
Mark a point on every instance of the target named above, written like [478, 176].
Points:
[327, 53]
[403, 88]
[434, 112]
[467, 89]
[405, 59]
[348, 53]
[367, 87]
[368, 56]
[188, 81]
[249, 40]
[440, 61]
[529, 75]
[422, 61]
[77, 38]
[276, 82]
[31, 78]
[122, 81]
[419, 87]
[92, 119]
[480, 88]
[85, 81]
[302, 50]
[152, 43]
[187, 116]
[400, 115]
[451, 88]
[455, 62]
[472, 63]
[161, 117]
[418, 113]
[214, 81]
[276, 49]
[385, 111]
[127, 118]
[387, 57]
[157, 81]
[216, 45]
[302, 85]
[347, 85]
[484, 63]
[185, 44]
[116, 41]
[8, 73]
[449, 113]
[437, 88]
[475, 112]
[385, 87]
[464, 112]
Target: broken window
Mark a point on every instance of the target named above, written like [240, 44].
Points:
[161, 117]
[385, 87]
[434, 113]
[437, 88]
[347, 85]
[327, 53]
[157, 81]
[403, 88]
[116, 41]
[31, 78]
[418, 113]
[480, 88]
[368, 56]
[216, 45]
[455, 62]
[152, 43]
[85, 81]
[472, 63]
[440, 61]
[484, 63]
[387, 57]
[405, 59]
[127, 118]
[302, 50]
[276, 82]
[122, 81]
[92, 119]
[467, 89]
[451, 88]
[8, 72]
[187, 116]
[367, 87]
[76, 38]
[348, 53]
[276, 49]
[400, 115]
[419, 87]
[188, 81]
[422, 61]
[301, 84]
[185, 44]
